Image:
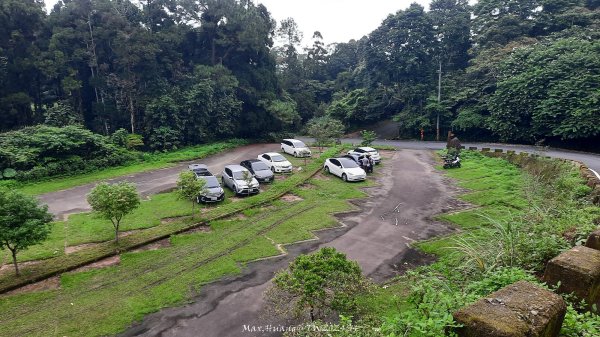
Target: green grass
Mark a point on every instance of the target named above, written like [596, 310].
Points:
[495, 189]
[149, 162]
[106, 301]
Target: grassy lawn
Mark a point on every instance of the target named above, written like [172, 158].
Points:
[106, 301]
[148, 162]
[495, 189]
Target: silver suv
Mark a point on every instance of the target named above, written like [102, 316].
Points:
[239, 180]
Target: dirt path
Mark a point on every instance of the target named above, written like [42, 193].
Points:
[377, 236]
[73, 200]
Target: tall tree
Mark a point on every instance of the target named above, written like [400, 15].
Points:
[113, 202]
[21, 31]
[23, 223]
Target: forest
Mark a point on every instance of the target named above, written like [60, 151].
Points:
[171, 73]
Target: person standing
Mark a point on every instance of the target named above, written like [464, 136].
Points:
[454, 146]
[364, 163]
[371, 164]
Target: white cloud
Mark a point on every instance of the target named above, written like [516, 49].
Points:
[337, 20]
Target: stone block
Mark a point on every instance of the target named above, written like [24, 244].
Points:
[485, 149]
[593, 241]
[498, 150]
[578, 271]
[473, 148]
[521, 309]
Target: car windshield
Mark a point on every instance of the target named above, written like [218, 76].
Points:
[260, 166]
[348, 163]
[239, 175]
[299, 144]
[211, 182]
[278, 158]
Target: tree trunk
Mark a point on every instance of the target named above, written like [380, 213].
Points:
[116, 226]
[14, 256]
[312, 314]
[132, 112]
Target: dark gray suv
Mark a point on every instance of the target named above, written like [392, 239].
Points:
[213, 190]
[259, 170]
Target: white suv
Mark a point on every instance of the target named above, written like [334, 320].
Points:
[295, 148]
[345, 168]
[276, 162]
[361, 151]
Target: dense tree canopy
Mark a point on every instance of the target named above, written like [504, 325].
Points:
[181, 72]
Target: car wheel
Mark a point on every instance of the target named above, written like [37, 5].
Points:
[344, 177]
[272, 169]
[327, 169]
[235, 190]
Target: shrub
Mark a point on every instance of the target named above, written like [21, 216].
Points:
[45, 151]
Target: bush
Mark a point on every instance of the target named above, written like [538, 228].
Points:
[44, 151]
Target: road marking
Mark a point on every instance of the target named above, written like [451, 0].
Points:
[596, 173]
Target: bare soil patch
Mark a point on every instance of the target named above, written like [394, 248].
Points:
[164, 243]
[109, 261]
[308, 186]
[386, 153]
[10, 268]
[322, 176]
[291, 198]
[47, 284]
[74, 249]
[167, 221]
[237, 217]
[128, 233]
[199, 229]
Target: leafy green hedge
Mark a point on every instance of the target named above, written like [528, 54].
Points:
[44, 151]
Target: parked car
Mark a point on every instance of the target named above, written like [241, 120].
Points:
[276, 162]
[355, 157]
[295, 147]
[361, 151]
[259, 170]
[213, 192]
[345, 168]
[200, 170]
[234, 177]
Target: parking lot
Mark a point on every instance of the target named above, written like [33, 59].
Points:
[399, 210]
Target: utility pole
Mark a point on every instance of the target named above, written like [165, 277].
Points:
[437, 124]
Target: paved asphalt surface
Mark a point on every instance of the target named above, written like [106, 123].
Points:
[73, 200]
[377, 235]
[589, 159]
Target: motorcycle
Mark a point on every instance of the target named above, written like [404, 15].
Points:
[451, 162]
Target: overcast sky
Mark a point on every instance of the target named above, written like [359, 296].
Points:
[337, 20]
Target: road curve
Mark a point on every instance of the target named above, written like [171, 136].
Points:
[73, 200]
[591, 160]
